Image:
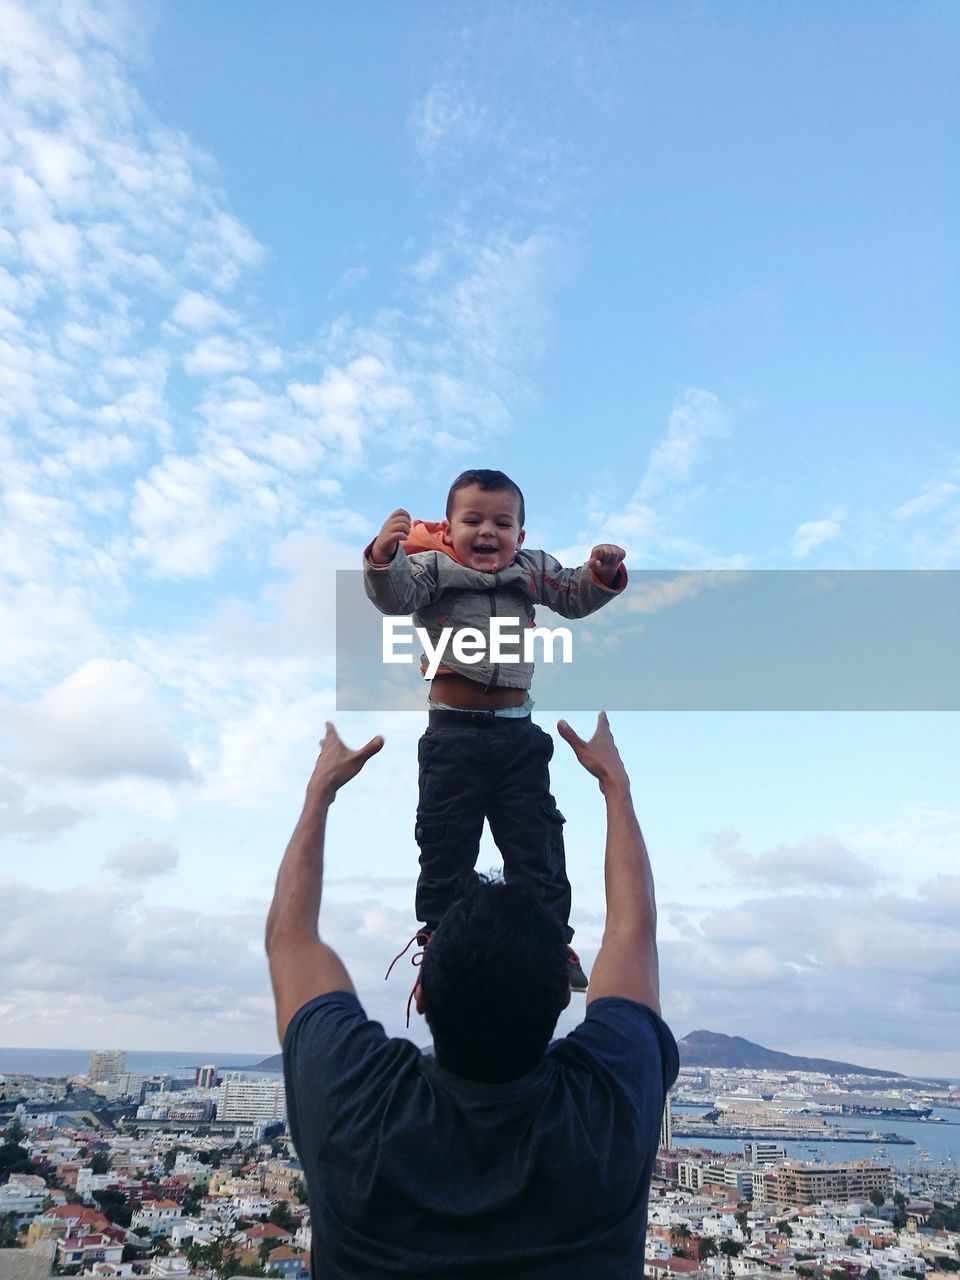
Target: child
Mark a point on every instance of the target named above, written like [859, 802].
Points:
[482, 756]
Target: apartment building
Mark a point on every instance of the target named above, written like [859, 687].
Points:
[800, 1184]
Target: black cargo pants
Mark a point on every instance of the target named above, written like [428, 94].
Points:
[475, 765]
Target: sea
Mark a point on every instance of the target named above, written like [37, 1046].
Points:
[144, 1062]
[935, 1142]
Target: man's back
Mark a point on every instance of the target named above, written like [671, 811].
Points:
[414, 1171]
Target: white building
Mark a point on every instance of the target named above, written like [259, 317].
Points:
[22, 1196]
[107, 1064]
[247, 1101]
[690, 1174]
[158, 1216]
[759, 1151]
[174, 1265]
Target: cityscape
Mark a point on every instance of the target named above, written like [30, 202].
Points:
[193, 1175]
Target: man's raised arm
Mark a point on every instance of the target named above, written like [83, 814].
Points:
[626, 964]
[301, 966]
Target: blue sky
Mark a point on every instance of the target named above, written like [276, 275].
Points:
[688, 272]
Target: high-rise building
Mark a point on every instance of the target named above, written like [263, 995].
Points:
[107, 1064]
[206, 1077]
[247, 1101]
[666, 1124]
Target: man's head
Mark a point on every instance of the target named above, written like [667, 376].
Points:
[484, 524]
[493, 982]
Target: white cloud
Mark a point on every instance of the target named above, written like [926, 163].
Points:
[200, 311]
[816, 861]
[188, 508]
[101, 722]
[142, 859]
[854, 968]
[216, 355]
[32, 821]
[106, 974]
[446, 119]
[653, 597]
[811, 535]
[932, 498]
[696, 420]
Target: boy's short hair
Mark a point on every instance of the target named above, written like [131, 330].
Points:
[495, 979]
[490, 481]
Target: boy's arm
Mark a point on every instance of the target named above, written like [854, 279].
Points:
[403, 586]
[626, 964]
[575, 593]
[391, 580]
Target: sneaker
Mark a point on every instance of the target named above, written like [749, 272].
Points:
[578, 979]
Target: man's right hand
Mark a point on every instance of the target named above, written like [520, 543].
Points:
[395, 528]
[337, 764]
[599, 756]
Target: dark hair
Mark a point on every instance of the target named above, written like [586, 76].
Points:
[490, 482]
[495, 978]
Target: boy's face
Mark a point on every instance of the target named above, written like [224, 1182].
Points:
[484, 527]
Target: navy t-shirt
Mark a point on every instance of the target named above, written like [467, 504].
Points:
[413, 1171]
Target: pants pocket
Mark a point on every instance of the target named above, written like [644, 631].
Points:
[553, 822]
[429, 829]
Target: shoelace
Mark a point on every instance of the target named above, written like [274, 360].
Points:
[416, 960]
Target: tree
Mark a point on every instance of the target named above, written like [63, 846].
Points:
[8, 1232]
[899, 1220]
[706, 1248]
[191, 1202]
[679, 1233]
[852, 1241]
[783, 1226]
[113, 1205]
[871, 1273]
[14, 1159]
[877, 1198]
[731, 1248]
[100, 1162]
[217, 1256]
[170, 1158]
[266, 1248]
[281, 1216]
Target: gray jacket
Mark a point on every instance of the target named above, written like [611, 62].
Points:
[440, 592]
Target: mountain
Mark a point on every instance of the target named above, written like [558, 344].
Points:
[711, 1049]
[274, 1063]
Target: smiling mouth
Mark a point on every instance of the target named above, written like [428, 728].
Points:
[484, 551]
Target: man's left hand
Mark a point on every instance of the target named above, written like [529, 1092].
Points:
[337, 764]
[605, 561]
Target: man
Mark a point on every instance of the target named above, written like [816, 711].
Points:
[504, 1156]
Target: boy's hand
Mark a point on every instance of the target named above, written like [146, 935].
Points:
[395, 528]
[599, 756]
[605, 561]
[338, 764]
